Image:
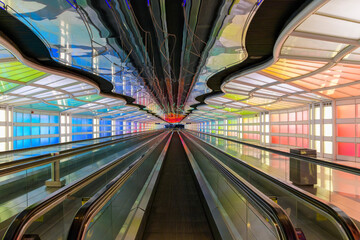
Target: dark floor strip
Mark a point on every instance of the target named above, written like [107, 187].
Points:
[177, 212]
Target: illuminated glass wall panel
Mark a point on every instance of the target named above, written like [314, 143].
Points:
[33, 129]
[82, 128]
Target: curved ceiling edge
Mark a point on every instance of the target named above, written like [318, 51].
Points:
[30, 50]
[260, 52]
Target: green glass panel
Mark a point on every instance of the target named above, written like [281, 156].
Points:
[67, 102]
[90, 98]
[5, 86]
[235, 97]
[44, 106]
[18, 72]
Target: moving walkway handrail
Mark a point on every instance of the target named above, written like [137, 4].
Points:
[27, 163]
[24, 219]
[284, 226]
[337, 166]
[71, 142]
[89, 210]
[336, 213]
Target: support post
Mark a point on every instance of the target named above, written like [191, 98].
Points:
[55, 176]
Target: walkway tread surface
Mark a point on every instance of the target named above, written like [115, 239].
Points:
[177, 212]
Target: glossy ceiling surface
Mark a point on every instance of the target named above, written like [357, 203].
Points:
[316, 61]
[24, 87]
[163, 53]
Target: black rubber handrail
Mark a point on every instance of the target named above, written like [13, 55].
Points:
[27, 163]
[337, 166]
[336, 213]
[23, 220]
[87, 212]
[65, 143]
[283, 224]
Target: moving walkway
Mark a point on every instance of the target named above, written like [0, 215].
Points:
[23, 182]
[176, 186]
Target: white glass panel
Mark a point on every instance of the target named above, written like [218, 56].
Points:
[328, 147]
[328, 130]
[330, 27]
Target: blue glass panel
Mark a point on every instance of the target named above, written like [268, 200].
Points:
[54, 130]
[44, 141]
[35, 142]
[27, 143]
[18, 144]
[18, 117]
[54, 140]
[27, 117]
[44, 130]
[44, 118]
[54, 119]
[27, 131]
[35, 118]
[19, 131]
[35, 130]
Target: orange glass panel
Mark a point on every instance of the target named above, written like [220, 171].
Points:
[284, 128]
[292, 117]
[275, 139]
[284, 140]
[246, 135]
[357, 110]
[358, 150]
[299, 116]
[274, 128]
[346, 149]
[292, 129]
[283, 117]
[292, 141]
[345, 130]
[345, 111]
[299, 129]
[275, 117]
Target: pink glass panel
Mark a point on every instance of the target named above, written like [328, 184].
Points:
[358, 150]
[299, 116]
[299, 129]
[305, 115]
[246, 128]
[346, 149]
[292, 129]
[306, 129]
[274, 128]
[292, 141]
[292, 117]
[345, 130]
[274, 117]
[345, 111]
[283, 117]
[299, 142]
[284, 128]
[357, 130]
[358, 110]
[305, 142]
[284, 140]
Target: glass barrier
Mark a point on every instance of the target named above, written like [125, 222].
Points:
[249, 221]
[315, 223]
